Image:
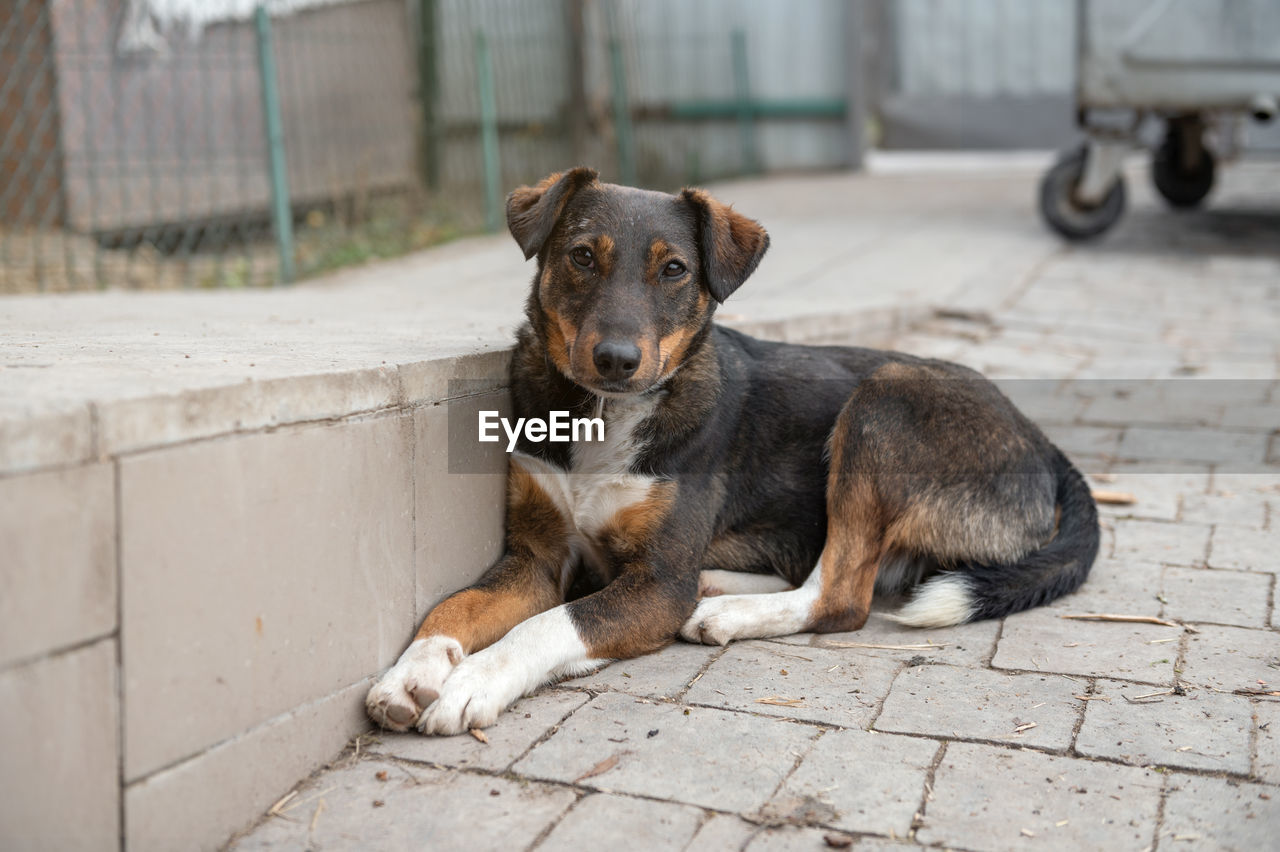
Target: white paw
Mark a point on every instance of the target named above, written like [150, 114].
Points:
[720, 620]
[713, 622]
[479, 689]
[397, 700]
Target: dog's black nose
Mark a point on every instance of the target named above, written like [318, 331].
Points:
[616, 359]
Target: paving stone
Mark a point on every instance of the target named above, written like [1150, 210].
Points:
[1084, 440]
[620, 822]
[722, 832]
[664, 674]
[1260, 486]
[1260, 415]
[1239, 451]
[421, 807]
[1165, 403]
[962, 644]
[986, 797]
[1267, 715]
[1157, 496]
[790, 838]
[727, 761]
[1233, 510]
[517, 729]
[1159, 479]
[1218, 813]
[1199, 730]
[996, 360]
[1116, 585]
[1231, 658]
[828, 685]
[946, 701]
[1149, 541]
[1245, 549]
[1041, 641]
[1220, 597]
[1044, 401]
[870, 782]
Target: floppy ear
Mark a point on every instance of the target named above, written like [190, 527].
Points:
[532, 211]
[731, 244]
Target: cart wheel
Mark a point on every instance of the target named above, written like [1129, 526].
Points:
[1181, 187]
[1063, 212]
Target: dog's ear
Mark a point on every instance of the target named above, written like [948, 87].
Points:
[731, 244]
[532, 211]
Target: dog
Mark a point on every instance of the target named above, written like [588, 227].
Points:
[742, 488]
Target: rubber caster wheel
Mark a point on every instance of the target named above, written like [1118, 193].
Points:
[1179, 185]
[1065, 213]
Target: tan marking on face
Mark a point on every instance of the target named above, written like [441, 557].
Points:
[605, 251]
[561, 337]
[660, 254]
[659, 251]
[582, 354]
[673, 347]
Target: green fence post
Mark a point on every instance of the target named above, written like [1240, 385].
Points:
[429, 91]
[489, 136]
[742, 94]
[621, 107]
[622, 115]
[281, 212]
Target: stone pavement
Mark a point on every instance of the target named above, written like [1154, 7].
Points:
[1152, 359]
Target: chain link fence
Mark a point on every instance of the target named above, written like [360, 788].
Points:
[135, 135]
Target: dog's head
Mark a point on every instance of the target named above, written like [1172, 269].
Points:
[627, 279]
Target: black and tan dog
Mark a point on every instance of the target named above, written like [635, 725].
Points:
[743, 488]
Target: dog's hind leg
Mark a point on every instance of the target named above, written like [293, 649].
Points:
[836, 596]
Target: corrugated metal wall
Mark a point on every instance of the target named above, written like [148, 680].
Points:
[977, 73]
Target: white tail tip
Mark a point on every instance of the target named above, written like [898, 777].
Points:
[938, 602]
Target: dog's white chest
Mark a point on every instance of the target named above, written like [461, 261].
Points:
[599, 483]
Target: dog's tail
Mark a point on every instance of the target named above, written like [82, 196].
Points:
[977, 591]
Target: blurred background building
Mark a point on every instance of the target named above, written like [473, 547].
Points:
[134, 134]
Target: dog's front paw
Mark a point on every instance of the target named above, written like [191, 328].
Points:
[397, 700]
[712, 623]
[478, 690]
[720, 620]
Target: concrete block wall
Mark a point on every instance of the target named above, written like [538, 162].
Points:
[197, 590]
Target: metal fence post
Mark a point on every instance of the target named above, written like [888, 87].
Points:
[489, 136]
[429, 91]
[857, 14]
[742, 95]
[621, 107]
[281, 211]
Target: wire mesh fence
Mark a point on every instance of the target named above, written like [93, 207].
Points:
[135, 144]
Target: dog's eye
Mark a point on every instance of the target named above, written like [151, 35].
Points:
[674, 269]
[583, 257]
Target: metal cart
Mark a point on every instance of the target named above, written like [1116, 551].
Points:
[1201, 67]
